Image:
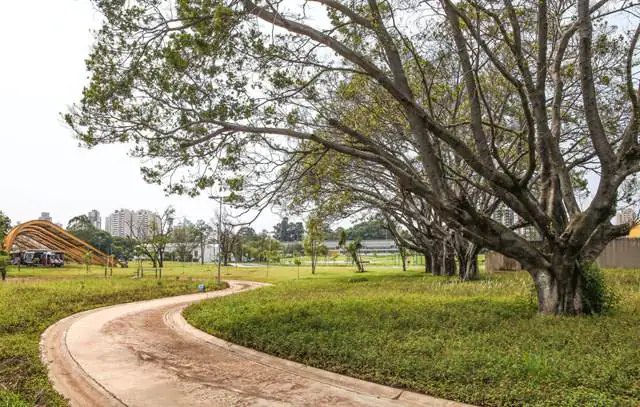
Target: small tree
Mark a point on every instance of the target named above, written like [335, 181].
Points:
[160, 231]
[313, 240]
[403, 255]
[353, 248]
[88, 256]
[297, 262]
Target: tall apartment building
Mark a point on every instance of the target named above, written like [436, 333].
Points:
[127, 223]
[146, 220]
[45, 216]
[120, 222]
[95, 219]
[626, 215]
[508, 218]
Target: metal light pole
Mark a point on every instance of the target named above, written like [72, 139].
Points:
[220, 237]
[219, 232]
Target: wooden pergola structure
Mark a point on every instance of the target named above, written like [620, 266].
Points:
[42, 234]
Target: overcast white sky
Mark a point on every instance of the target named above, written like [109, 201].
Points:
[44, 44]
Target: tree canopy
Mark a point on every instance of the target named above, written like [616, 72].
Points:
[447, 99]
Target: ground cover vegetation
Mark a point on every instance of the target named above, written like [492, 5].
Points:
[32, 299]
[454, 109]
[480, 342]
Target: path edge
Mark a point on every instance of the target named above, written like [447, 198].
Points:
[175, 319]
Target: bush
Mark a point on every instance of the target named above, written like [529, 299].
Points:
[597, 296]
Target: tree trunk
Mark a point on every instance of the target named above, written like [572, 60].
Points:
[468, 263]
[449, 262]
[161, 259]
[428, 266]
[436, 260]
[403, 255]
[560, 291]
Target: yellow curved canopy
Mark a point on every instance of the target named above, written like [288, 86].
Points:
[635, 231]
[42, 234]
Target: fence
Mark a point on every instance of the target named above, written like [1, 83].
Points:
[619, 253]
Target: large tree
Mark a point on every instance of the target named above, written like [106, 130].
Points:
[246, 87]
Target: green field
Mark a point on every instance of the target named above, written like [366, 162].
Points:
[33, 299]
[479, 342]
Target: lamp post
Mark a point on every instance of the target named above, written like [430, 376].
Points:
[219, 197]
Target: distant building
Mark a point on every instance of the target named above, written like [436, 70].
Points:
[626, 215]
[146, 221]
[508, 217]
[128, 223]
[95, 219]
[45, 216]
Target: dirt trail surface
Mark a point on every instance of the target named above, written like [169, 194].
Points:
[146, 354]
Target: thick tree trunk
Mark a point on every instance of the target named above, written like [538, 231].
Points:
[559, 291]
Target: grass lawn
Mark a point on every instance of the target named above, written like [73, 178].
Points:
[33, 299]
[479, 342]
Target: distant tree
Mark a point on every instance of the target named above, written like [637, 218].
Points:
[286, 231]
[262, 247]
[186, 239]
[353, 248]
[296, 261]
[152, 241]
[313, 240]
[296, 232]
[369, 230]
[123, 248]
[230, 242]
[88, 258]
[294, 249]
[204, 233]
[79, 222]
[81, 227]
[5, 225]
[281, 230]
[160, 232]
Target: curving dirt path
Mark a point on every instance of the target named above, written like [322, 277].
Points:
[146, 354]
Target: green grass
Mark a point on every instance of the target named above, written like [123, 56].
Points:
[478, 342]
[33, 299]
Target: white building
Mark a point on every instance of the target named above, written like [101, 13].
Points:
[45, 216]
[128, 223]
[95, 219]
[627, 215]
